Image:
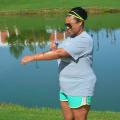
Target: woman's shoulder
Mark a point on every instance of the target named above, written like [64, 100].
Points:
[84, 36]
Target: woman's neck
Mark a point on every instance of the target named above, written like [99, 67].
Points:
[81, 30]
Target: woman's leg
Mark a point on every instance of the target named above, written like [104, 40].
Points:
[81, 112]
[67, 111]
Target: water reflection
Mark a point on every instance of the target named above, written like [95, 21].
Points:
[111, 35]
[31, 86]
[17, 40]
[37, 84]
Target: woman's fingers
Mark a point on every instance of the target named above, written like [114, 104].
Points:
[53, 46]
[26, 59]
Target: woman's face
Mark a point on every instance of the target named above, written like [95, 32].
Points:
[73, 27]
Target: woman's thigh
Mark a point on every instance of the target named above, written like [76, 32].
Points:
[81, 112]
[67, 111]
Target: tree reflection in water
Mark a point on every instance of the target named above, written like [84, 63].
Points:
[32, 39]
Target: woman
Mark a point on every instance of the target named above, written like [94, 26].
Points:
[76, 77]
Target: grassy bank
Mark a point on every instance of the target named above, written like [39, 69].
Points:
[16, 112]
[44, 11]
[38, 6]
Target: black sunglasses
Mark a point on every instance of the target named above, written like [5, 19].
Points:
[68, 25]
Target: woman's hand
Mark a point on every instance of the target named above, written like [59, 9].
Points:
[53, 46]
[27, 59]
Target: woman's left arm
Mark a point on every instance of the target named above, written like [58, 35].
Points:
[50, 55]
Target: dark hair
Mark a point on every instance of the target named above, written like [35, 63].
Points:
[80, 11]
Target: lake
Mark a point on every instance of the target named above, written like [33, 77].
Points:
[36, 84]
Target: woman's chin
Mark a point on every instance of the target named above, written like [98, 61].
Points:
[71, 34]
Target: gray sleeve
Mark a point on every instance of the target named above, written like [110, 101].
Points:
[77, 48]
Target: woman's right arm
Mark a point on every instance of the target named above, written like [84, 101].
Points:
[55, 38]
[52, 42]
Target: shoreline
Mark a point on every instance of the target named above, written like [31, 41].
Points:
[90, 10]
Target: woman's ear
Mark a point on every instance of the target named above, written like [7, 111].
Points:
[80, 23]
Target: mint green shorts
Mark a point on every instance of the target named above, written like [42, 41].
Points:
[75, 101]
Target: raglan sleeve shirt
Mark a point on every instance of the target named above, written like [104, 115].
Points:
[76, 75]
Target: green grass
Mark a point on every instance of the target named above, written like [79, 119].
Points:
[39, 4]
[17, 112]
[23, 23]
[107, 21]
